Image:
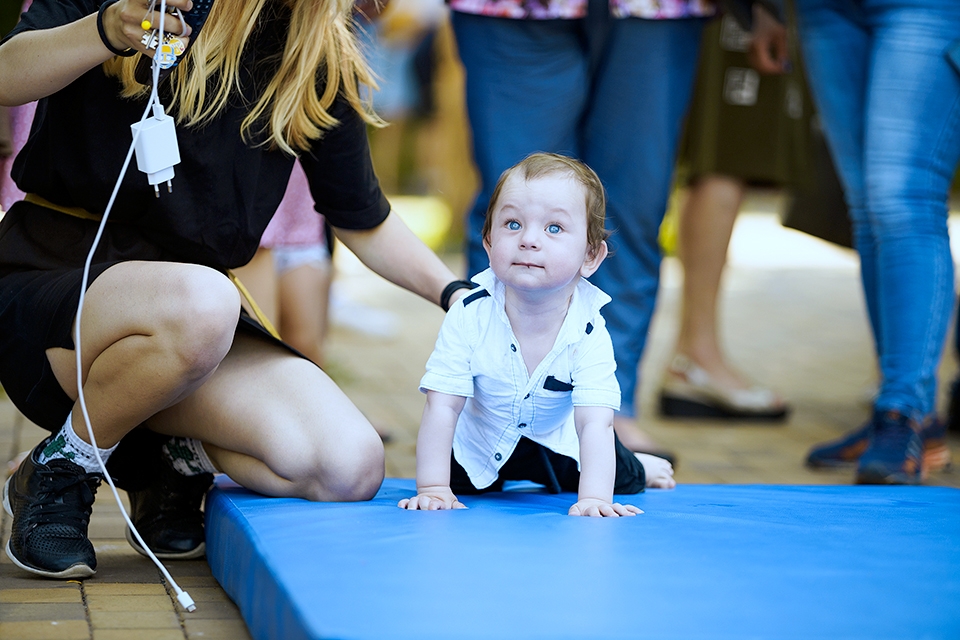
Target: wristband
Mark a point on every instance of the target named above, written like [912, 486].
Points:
[448, 291]
[126, 53]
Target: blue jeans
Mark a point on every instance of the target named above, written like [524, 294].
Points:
[889, 101]
[612, 92]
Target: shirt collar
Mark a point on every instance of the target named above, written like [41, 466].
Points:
[584, 307]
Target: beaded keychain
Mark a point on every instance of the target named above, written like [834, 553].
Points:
[172, 47]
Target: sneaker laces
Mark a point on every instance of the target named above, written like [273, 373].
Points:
[64, 499]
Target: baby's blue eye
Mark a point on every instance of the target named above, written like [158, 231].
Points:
[513, 225]
[553, 228]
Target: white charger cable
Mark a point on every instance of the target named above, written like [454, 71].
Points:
[153, 133]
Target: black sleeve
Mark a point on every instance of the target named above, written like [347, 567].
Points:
[46, 14]
[340, 172]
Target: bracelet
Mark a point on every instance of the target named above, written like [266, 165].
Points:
[448, 291]
[126, 53]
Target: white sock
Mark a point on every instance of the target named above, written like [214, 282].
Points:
[68, 445]
[186, 456]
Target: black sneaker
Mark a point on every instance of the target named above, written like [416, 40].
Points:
[168, 516]
[51, 504]
[895, 452]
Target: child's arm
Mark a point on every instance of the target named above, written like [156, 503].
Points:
[434, 443]
[598, 465]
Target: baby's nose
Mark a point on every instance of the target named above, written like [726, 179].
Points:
[530, 239]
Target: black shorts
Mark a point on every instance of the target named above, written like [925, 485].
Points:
[42, 253]
[557, 472]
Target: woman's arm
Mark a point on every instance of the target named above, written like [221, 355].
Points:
[394, 252]
[37, 63]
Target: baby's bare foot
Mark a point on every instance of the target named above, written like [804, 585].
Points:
[659, 472]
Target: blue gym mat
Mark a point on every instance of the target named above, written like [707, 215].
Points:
[704, 561]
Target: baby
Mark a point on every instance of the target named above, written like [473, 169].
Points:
[521, 382]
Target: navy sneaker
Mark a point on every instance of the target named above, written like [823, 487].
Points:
[51, 504]
[895, 452]
[953, 410]
[847, 449]
[843, 451]
[168, 516]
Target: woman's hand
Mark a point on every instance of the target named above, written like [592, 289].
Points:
[432, 499]
[37, 63]
[124, 23]
[768, 44]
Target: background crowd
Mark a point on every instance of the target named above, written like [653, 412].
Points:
[676, 98]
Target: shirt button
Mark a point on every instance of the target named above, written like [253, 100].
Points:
[498, 457]
[513, 348]
[522, 425]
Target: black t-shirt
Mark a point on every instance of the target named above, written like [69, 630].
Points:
[225, 190]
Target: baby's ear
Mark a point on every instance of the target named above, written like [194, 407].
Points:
[595, 256]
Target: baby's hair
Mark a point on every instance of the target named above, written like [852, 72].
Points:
[537, 165]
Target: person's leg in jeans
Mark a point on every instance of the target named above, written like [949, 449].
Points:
[526, 85]
[642, 86]
[896, 146]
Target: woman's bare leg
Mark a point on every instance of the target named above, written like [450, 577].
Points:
[151, 334]
[278, 425]
[156, 344]
[706, 224]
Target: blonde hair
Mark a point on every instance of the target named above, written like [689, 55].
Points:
[541, 164]
[320, 43]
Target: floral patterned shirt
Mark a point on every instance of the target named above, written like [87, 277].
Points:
[571, 9]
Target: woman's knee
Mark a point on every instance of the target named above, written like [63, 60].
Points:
[200, 316]
[353, 473]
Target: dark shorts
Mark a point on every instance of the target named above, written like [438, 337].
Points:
[41, 268]
[557, 472]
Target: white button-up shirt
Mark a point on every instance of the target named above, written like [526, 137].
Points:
[478, 357]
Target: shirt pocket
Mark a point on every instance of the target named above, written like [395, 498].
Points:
[554, 402]
[553, 384]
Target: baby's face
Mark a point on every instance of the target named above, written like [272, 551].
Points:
[538, 239]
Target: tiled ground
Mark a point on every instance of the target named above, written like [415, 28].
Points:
[792, 316]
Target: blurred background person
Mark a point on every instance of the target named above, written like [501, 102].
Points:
[742, 129]
[290, 275]
[607, 82]
[399, 44]
[885, 78]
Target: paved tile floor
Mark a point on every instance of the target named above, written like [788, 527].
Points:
[792, 316]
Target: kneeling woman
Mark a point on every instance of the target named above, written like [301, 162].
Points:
[165, 348]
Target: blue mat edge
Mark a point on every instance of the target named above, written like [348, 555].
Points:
[274, 616]
[266, 617]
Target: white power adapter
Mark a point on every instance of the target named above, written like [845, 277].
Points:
[156, 148]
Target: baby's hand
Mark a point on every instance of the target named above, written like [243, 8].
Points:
[432, 499]
[599, 508]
